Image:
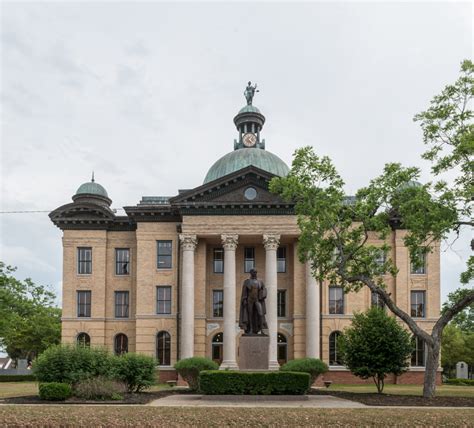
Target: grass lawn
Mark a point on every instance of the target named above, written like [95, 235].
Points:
[18, 389]
[218, 417]
[441, 391]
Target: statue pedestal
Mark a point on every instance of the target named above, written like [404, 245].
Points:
[253, 352]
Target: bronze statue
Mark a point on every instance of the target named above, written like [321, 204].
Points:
[252, 305]
[250, 92]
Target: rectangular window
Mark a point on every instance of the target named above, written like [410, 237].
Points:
[121, 304]
[281, 303]
[163, 300]
[376, 300]
[218, 260]
[164, 254]
[122, 261]
[419, 268]
[281, 260]
[380, 260]
[84, 304]
[418, 304]
[84, 260]
[249, 258]
[217, 303]
[418, 354]
[336, 300]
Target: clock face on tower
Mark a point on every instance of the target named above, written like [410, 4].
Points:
[249, 139]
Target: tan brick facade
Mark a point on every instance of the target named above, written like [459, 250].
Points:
[143, 323]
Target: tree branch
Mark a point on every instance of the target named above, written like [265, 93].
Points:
[453, 311]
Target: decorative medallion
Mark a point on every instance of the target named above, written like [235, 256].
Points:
[250, 193]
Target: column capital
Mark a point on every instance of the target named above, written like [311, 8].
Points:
[271, 241]
[188, 242]
[229, 242]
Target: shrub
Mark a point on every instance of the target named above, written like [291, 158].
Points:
[17, 378]
[312, 366]
[71, 364]
[189, 369]
[135, 371]
[99, 388]
[375, 345]
[465, 382]
[215, 382]
[54, 391]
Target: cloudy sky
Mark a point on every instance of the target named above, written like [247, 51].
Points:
[144, 94]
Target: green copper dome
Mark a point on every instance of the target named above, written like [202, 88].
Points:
[249, 109]
[242, 158]
[92, 188]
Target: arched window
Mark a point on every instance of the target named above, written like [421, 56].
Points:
[334, 357]
[217, 347]
[83, 339]
[282, 349]
[163, 348]
[120, 344]
[418, 354]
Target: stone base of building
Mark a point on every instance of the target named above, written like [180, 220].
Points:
[412, 377]
[166, 374]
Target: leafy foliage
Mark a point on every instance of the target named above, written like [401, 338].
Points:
[313, 366]
[456, 345]
[375, 345]
[136, 371]
[218, 382]
[189, 369]
[464, 319]
[54, 391]
[465, 382]
[71, 364]
[99, 388]
[30, 322]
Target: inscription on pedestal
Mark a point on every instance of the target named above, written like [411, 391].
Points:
[253, 352]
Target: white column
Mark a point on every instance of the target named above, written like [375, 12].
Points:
[188, 245]
[312, 314]
[229, 242]
[271, 243]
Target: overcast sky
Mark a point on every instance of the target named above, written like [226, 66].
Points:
[144, 94]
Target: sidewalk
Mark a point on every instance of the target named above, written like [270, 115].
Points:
[303, 401]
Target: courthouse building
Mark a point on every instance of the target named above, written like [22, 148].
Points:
[165, 279]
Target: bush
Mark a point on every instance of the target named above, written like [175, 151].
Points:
[216, 382]
[17, 378]
[465, 382]
[99, 388]
[189, 369]
[54, 391]
[312, 366]
[71, 364]
[375, 345]
[135, 371]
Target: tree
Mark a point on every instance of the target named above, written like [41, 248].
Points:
[453, 349]
[375, 345]
[335, 230]
[30, 322]
[464, 319]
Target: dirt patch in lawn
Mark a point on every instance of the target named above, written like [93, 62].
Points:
[373, 399]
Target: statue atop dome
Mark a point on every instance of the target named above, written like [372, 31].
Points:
[250, 93]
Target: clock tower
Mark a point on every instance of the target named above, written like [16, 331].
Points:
[249, 122]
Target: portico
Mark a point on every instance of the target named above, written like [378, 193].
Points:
[228, 233]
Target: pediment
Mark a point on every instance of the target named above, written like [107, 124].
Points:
[231, 190]
[81, 213]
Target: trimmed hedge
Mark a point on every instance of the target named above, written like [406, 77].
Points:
[189, 369]
[313, 366]
[464, 382]
[54, 391]
[18, 378]
[220, 382]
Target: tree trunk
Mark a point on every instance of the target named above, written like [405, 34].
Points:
[431, 369]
